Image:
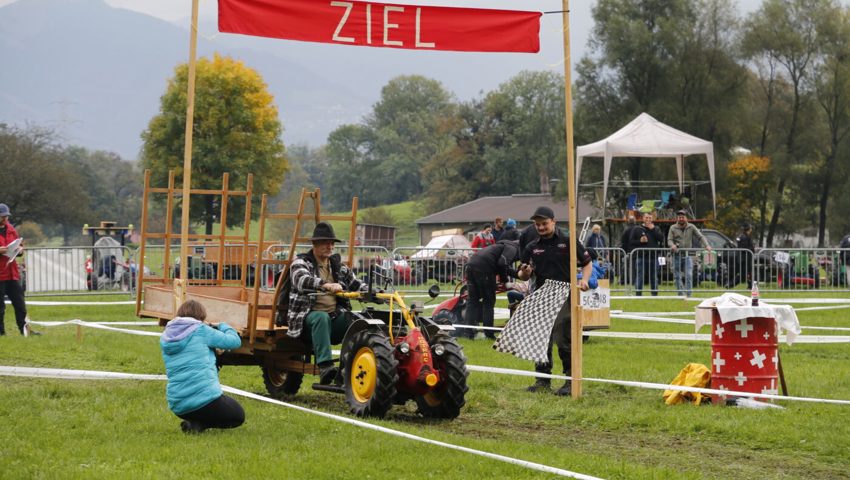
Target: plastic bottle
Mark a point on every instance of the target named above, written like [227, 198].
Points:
[754, 295]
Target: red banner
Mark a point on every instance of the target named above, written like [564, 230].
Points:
[371, 24]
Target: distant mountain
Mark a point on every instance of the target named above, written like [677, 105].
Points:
[95, 73]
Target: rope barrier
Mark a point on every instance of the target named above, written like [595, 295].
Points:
[99, 375]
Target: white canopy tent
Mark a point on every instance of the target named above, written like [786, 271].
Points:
[647, 137]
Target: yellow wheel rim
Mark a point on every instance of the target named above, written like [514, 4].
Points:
[364, 375]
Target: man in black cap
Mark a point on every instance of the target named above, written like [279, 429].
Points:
[548, 258]
[316, 277]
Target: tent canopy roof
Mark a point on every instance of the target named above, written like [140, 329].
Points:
[647, 137]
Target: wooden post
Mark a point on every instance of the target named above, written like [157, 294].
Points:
[79, 334]
[575, 327]
[187, 148]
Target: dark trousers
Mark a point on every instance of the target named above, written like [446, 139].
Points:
[481, 300]
[13, 290]
[223, 412]
[561, 336]
[647, 267]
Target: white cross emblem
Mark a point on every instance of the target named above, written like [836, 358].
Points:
[758, 359]
[719, 331]
[772, 390]
[718, 362]
[766, 335]
[741, 378]
[744, 328]
[737, 355]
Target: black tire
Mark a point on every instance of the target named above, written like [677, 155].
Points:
[281, 382]
[448, 398]
[370, 373]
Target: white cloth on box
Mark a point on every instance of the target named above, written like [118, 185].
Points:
[733, 306]
[527, 334]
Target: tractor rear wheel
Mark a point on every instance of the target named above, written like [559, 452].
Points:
[447, 399]
[370, 373]
[281, 382]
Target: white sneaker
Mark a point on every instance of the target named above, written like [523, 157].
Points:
[26, 330]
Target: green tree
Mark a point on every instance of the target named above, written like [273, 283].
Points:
[236, 130]
[410, 126]
[785, 36]
[40, 184]
[674, 59]
[832, 85]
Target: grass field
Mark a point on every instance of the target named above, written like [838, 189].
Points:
[123, 429]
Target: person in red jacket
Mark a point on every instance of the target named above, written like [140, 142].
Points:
[484, 238]
[10, 277]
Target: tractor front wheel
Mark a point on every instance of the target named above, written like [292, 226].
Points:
[446, 400]
[370, 372]
[281, 382]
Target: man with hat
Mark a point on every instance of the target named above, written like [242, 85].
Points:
[315, 312]
[681, 236]
[10, 277]
[548, 258]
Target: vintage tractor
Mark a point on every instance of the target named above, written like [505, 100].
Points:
[387, 355]
[395, 355]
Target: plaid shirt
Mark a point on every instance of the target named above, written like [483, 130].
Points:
[304, 274]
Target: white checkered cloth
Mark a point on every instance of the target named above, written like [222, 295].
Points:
[526, 335]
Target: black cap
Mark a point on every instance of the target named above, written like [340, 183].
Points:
[682, 212]
[543, 212]
[324, 231]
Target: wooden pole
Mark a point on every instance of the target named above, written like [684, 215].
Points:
[575, 327]
[187, 149]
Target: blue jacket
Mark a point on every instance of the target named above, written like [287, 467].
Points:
[188, 351]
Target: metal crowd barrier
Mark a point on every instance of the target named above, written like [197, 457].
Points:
[78, 270]
[112, 270]
[423, 266]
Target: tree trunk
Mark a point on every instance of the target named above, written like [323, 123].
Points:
[777, 209]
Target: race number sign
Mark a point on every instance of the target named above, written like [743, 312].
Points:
[596, 299]
[370, 24]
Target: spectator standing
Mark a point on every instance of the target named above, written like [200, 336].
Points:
[485, 268]
[626, 245]
[10, 277]
[845, 257]
[498, 228]
[679, 239]
[548, 258]
[510, 233]
[484, 238]
[193, 391]
[745, 242]
[647, 238]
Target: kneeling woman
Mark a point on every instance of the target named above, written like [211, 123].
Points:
[193, 392]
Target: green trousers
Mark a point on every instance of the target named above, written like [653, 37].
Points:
[325, 331]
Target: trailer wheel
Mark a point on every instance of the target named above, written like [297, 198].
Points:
[370, 374]
[281, 382]
[447, 399]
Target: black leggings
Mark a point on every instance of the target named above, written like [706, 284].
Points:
[223, 412]
[13, 290]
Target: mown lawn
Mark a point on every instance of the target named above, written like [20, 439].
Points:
[112, 429]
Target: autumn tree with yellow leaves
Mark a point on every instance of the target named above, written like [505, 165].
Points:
[236, 130]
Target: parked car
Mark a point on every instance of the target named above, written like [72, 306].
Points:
[442, 259]
[398, 269]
